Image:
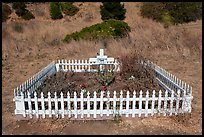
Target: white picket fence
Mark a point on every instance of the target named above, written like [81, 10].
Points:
[177, 99]
[86, 66]
[89, 107]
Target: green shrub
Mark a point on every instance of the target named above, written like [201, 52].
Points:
[172, 12]
[108, 29]
[112, 10]
[21, 11]
[18, 5]
[68, 8]
[55, 11]
[27, 15]
[185, 11]
[6, 11]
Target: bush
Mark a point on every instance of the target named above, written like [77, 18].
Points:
[6, 11]
[55, 11]
[174, 12]
[27, 15]
[21, 11]
[185, 11]
[68, 8]
[18, 5]
[108, 29]
[112, 10]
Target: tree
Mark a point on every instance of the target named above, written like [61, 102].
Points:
[112, 10]
[55, 11]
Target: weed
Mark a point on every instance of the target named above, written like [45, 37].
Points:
[17, 27]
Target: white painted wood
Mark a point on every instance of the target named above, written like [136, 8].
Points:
[36, 105]
[121, 102]
[82, 104]
[43, 105]
[146, 103]
[133, 103]
[69, 62]
[56, 105]
[165, 102]
[177, 102]
[75, 104]
[101, 103]
[108, 102]
[29, 105]
[140, 103]
[184, 101]
[62, 104]
[75, 65]
[95, 97]
[68, 104]
[72, 64]
[49, 105]
[114, 103]
[127, 103]
[88, 104]
[171, 102]
[159, 102]
[153, 102]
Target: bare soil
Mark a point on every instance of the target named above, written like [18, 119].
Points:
[178, 49]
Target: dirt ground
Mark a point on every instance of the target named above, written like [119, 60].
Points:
[176, 49]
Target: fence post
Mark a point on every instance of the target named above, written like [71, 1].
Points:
[56, 105]
[165, 102]
[79, 66]
[20, 104]
[153, 101]
[159, 102]
[72, 65]
[171, 103]
[177, 102]
[101, 104]
[75, 104]
[65, 65]
[82, 66]
[140, 103]
[146, 103]
[114, 103]
[36, 104]
[183, 101]
[43, 105]
[69, 64]
[82, 105]
[29, 105]
[121, 102]
[68, 104]
[95, 97]
[49, 105]
[57, 65]
[76, 64]
[62, 104]
[108, 102]
[127, 104]
[62, 65]
[88, 104]
[133, 103]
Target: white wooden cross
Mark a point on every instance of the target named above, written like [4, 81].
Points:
[101, 59]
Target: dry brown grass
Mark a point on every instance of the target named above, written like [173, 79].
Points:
[177, 49]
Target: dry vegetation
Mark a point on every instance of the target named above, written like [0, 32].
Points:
[176, 49]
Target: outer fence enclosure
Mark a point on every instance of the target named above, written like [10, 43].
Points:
[176, 98]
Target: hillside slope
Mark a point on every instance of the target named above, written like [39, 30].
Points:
[176, 49]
